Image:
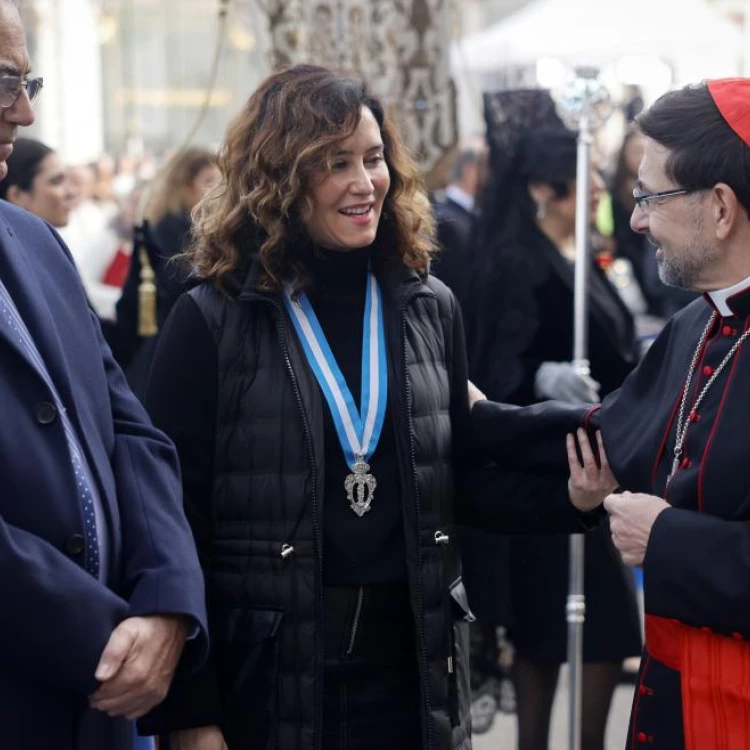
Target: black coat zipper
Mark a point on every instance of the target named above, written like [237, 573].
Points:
[317, 541]
[355, 621]
[424, 667]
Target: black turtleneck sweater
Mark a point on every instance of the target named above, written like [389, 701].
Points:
[369, 549]
[356, 550]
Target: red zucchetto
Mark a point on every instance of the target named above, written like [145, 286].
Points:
[732, 97]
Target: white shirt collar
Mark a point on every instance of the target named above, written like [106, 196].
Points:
[720, 298]
[460, 196]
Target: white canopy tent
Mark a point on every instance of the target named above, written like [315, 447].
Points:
[691, 41]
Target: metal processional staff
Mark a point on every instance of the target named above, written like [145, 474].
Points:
[585, 105]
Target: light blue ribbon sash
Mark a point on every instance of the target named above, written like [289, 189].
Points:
[358, 429]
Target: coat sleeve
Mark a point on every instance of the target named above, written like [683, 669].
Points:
[697, 570]
[497, 488]
[57, 618]
[181, 398]
[160, 569]
[531, 438]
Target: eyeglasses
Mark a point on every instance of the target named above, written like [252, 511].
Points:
[643, 200]
[11, 87]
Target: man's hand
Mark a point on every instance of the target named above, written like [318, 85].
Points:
[475, 395]
[631, 518]
[588, 484]
[137, 664]
[203, 738]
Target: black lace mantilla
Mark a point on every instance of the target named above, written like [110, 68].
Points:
[509, 116]
[499, 305]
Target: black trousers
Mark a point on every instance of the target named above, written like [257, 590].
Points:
[371, 678]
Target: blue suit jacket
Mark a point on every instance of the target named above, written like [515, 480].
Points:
[56, 619]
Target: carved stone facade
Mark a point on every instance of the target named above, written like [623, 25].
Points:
[400, 47]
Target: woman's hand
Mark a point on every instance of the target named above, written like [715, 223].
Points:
[475, 395]
[591, 483]
[202, 738]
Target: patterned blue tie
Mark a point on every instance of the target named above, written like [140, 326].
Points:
[83, 484]
[16, 328]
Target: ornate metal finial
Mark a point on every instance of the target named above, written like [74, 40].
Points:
[585, 97]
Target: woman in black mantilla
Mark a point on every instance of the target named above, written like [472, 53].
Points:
[519, 311]
[338, 617]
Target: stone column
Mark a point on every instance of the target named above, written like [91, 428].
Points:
[66, 54]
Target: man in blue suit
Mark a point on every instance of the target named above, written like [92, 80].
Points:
[100, 585]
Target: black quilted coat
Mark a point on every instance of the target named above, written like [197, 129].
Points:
[263, 560]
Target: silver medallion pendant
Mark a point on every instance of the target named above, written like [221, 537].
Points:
[360, 488]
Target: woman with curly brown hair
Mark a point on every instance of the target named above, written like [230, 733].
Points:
[337, 612]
